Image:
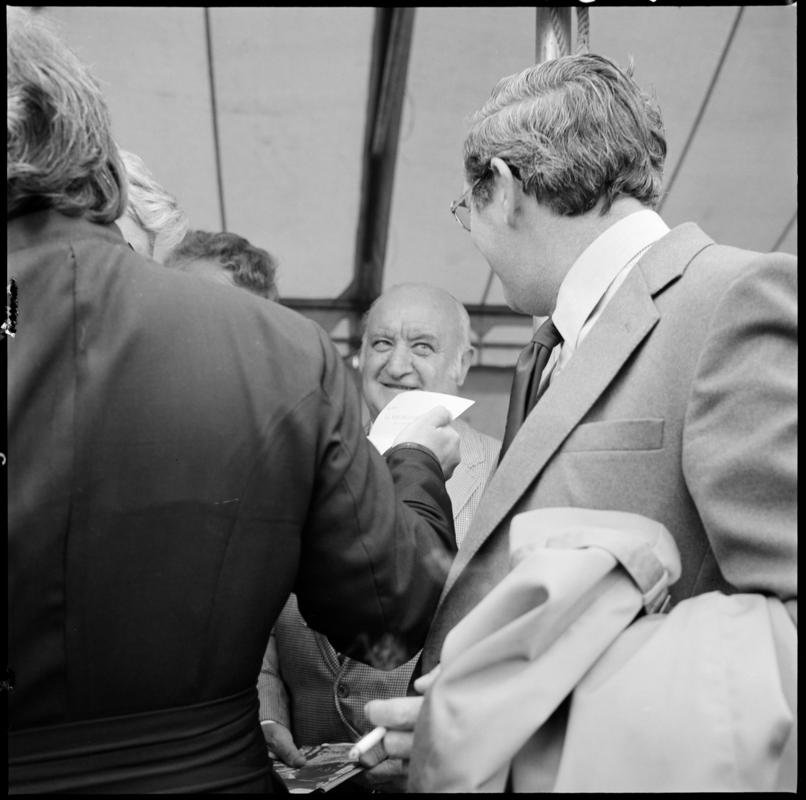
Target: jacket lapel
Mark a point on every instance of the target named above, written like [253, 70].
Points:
[625, 322]
[468, 473]
[568, 398]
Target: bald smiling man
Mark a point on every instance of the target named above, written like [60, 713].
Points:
[416, 336]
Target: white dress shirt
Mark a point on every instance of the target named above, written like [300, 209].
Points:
[594, 278]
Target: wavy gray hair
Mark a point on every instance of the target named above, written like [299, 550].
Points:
[151, 206]
[61, 153]
[577, 129]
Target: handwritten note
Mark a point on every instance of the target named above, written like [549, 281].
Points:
[405, 408]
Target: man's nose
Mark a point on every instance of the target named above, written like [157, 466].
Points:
[399, 362]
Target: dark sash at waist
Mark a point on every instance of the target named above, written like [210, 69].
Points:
[213, 746]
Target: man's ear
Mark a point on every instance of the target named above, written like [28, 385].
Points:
[467, 360]
[507, 189]
[359, 358]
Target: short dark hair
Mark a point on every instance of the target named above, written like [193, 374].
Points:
[252, 268]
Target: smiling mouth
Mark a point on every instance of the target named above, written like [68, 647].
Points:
[398, 387]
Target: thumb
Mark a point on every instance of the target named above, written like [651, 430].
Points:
[437, 416]
[281, 743]
[425, 682]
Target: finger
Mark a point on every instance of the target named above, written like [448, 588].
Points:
[396, 712]
[288, 755]
[390, 768]
[425, 682]
[294, 758]
[398, 744]
[281, 743]
[374, 755]
[436, 416]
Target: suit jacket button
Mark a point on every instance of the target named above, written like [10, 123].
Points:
[342, 690]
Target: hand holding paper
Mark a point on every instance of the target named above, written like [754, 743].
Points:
[415, 417]
[405, 408]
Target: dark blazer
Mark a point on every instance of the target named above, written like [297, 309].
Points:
[302, 672]
[680, 405]
[181, 456]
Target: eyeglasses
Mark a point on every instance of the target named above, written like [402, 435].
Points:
[461, 208]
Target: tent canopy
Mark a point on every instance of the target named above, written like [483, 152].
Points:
[332, 136]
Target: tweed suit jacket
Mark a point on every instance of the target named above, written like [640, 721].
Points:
[303, 683]
[680, 405]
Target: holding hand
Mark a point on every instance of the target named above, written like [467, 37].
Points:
[433, 430]
[399, 716]
[281, 743]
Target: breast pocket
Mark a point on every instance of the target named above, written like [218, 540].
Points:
[616, 434]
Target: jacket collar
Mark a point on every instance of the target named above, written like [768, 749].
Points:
[37, 227]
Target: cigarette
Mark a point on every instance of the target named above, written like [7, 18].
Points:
[366, 743]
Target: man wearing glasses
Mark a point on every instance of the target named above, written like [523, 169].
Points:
[672, 390]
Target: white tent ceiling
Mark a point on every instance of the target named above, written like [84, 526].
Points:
[255, 119]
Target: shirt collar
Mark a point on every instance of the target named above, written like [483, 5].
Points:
[598, 266]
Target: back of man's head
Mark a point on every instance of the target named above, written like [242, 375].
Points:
[60, 150]
[251, 268]
[578, 130]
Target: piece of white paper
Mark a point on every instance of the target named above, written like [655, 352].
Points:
[405, 408]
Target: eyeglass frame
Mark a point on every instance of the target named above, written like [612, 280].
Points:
[461, 202]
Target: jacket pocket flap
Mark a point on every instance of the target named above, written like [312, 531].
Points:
[617, 434]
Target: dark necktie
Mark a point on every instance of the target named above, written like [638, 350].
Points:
[526, 382]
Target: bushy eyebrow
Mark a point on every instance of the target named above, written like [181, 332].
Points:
[411, 336]
[419, 336]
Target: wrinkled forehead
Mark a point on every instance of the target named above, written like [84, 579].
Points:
[413, 312]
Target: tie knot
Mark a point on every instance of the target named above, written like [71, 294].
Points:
[547, 335]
